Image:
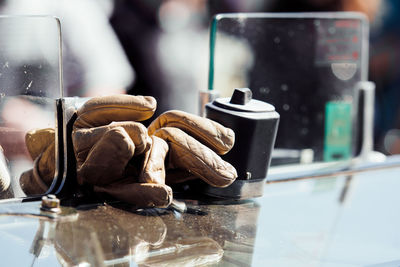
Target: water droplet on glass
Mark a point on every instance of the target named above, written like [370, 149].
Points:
[286, 107]
[317, 22]
[305, 120]
[304, 131]
[332, 30]
[277, 40]
[264, 90]
[291, 33]
[284, 87]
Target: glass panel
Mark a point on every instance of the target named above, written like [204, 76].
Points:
[306, 65]
[30, 83]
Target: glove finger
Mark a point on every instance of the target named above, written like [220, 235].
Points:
[41, 147]
[210, 133]
[176, 176]
[84, 139]
[103, 110]
[143, 195]
[106, 161]
[154, 163]
[38, 140]
[45, 164]
[32, 183]
[187, 153]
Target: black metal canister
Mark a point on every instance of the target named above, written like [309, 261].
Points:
[255, 124]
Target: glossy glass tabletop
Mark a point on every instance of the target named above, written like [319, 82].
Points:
[345, 220]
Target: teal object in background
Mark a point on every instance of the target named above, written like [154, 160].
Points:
[338, 131]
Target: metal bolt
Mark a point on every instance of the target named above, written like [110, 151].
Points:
[50, 203]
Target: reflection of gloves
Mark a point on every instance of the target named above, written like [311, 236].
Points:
[122, 234]
[187, 251]
[183, 133]
[41, 147]
[111, 149]
[132, 238]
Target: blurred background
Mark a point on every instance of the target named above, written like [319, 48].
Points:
[161, 48]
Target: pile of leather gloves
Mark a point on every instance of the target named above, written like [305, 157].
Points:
[119, 156]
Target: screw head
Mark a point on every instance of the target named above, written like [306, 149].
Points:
[50, 203]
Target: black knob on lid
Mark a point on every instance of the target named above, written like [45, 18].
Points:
[241, 100]
[241, 96]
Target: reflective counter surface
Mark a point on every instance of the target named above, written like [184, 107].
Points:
[344, 220]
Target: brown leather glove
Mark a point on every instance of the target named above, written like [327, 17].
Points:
[112, 150]
[41, 147]
[194, 144]
[117, 155]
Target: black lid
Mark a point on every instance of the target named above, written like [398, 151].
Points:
[241, 100]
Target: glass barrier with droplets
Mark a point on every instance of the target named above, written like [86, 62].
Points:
[30, 84]
[308, 66]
